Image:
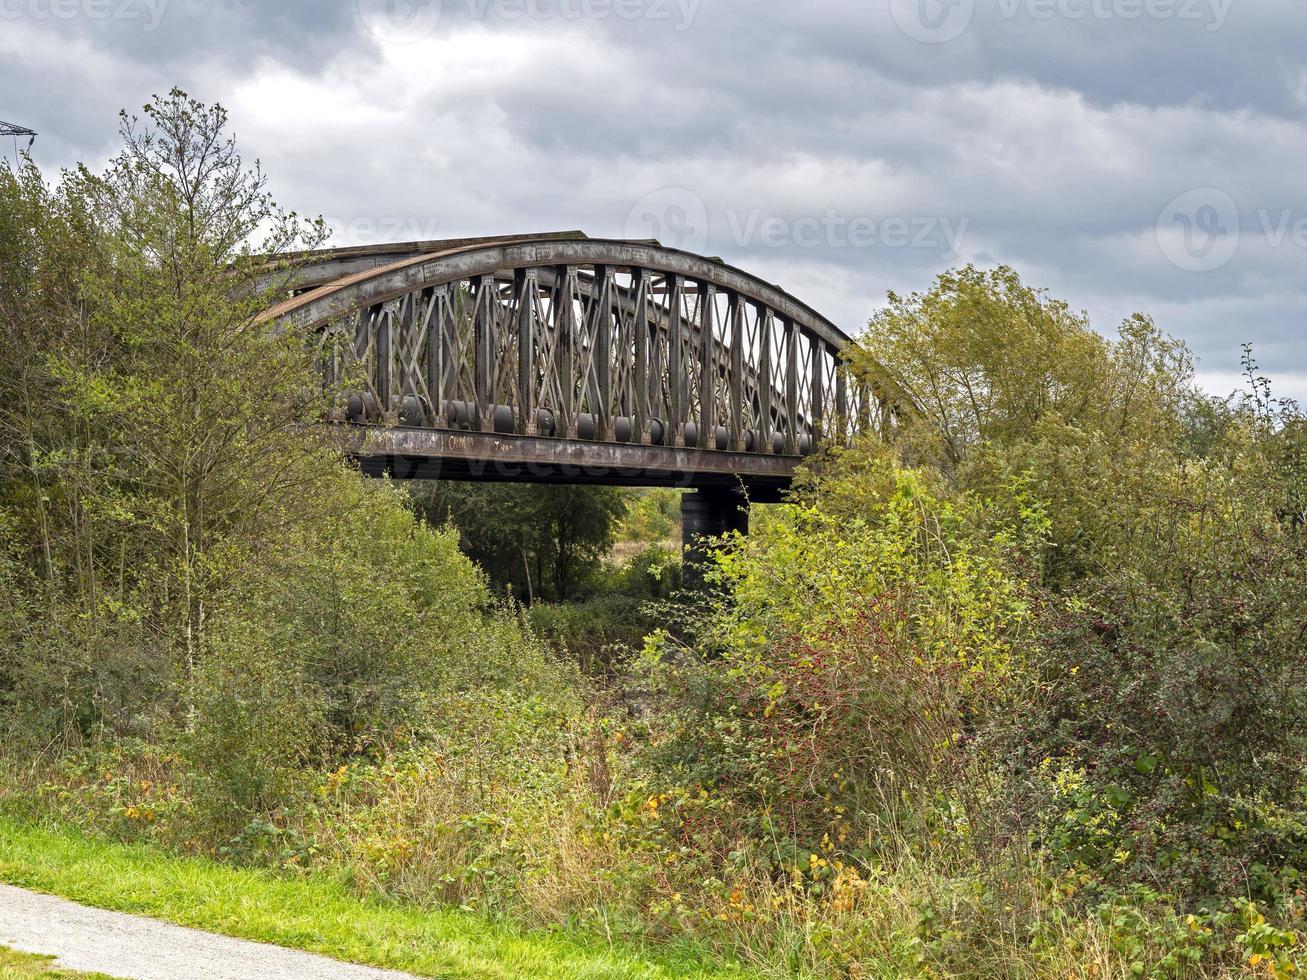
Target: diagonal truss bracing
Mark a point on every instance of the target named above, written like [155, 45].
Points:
[613, 342]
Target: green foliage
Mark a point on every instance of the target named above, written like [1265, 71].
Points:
[359, 635]
[151, 441]
[536, 542]
[605, 632]
[847, 669]
[1192, 766]
[598, 633]
[654, 517]
[1015, 686]
[983, 358]
[653, 572]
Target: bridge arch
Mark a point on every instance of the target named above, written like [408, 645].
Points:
[561, 358]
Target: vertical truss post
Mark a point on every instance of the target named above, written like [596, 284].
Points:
[818, 390]
[676, 380]
[640, 382]
[365, 352]
[791, 388]
[564, 351]
[456, 341]
[406, 343]
[707, 366]
[420, 344]
[865, 397]
[385, 336]
[736, 370]
[527, 284]
[483, 352]
[841, 401]
[764, 380]
[603, 352]
[363, 333]
[658, 407]
[437, 351]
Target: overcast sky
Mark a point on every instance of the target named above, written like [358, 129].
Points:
[1130, 155]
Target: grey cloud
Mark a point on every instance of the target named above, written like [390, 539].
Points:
[1054, 144]
[172, 34]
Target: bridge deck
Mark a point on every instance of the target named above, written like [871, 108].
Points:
[434, 454]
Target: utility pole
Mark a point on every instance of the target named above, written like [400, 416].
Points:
[14, 130]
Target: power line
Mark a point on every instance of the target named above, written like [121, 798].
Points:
[14, 130]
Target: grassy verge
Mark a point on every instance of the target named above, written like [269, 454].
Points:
[24, 966]
[313, 913]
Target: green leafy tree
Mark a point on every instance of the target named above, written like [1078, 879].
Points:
[1000, 384]
[539, 542]
[982, 358]
[203, 402]
[152, 429]
[50, 243]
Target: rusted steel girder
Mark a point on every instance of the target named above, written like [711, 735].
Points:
[562, 359]
[434, 454]
[377, 285]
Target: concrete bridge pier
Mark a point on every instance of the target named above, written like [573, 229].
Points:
[708, 514]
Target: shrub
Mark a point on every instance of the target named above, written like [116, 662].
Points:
[340, 644]
[837, 689]
[535, 542]
[1172, 712]
[653, 517]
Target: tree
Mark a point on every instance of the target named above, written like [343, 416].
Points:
[539, 542]
[206, 402]
[983, 358]
[1000, 385]
[49, 243]
[153, 429]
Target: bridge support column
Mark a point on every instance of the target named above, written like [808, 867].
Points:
[708, 514]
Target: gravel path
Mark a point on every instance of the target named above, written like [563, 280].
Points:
[136, 948]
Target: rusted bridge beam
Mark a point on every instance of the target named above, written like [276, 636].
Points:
[559, 358]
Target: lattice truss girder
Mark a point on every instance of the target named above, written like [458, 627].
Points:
[594, 352]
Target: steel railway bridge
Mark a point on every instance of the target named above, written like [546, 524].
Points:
[563, 359]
